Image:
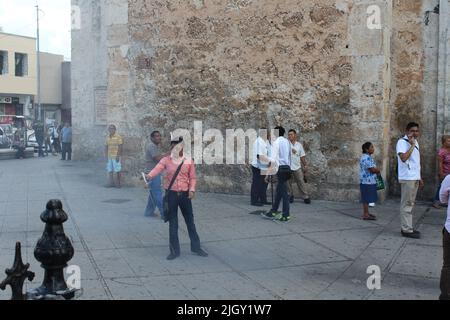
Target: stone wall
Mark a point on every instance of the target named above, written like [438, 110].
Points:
[242, 64]
[309, 65]
[89, 72]
[414, 89]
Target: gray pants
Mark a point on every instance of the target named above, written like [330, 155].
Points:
[409, 193]
[299, 179]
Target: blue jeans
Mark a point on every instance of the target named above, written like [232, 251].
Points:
[181, 199]
[155, 198]
[436, 197]
[282, 193]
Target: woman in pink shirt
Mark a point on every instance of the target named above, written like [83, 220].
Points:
[444, 166]
[180, 195]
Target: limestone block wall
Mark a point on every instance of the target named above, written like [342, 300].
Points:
[309, 65]
[242, 64]
[414, 89]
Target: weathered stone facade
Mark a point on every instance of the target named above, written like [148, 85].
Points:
[310, 65]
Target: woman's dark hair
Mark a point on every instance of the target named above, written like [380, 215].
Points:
[281, 131]
[366, 146]
[176, 141]
[292, 130]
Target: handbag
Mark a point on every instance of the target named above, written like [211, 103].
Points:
[380, 183]
[166, 195]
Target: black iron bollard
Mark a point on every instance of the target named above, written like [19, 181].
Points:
[16, 275]
[53, 250]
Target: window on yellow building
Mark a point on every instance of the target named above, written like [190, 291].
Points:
[3, 62]
[21, 64]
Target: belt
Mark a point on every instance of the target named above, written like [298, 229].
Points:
[180, 193]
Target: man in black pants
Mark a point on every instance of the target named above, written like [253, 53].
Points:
[282, 156]
[66, 138]
[261, 149]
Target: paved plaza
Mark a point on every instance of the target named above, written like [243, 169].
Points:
[322, 253]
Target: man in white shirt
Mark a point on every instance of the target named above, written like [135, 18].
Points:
[281, 154]
[409, 176]
[444, 194]
[298, 167]
[260, 154]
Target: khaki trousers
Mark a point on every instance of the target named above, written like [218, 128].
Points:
[297, 177]
[409, 193]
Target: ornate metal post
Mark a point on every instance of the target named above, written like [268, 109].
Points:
[53, 250]
[17, 275]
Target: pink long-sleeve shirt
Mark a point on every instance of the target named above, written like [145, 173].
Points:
[444, 195]
[186, 179]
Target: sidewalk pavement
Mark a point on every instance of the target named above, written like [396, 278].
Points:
[322, 253]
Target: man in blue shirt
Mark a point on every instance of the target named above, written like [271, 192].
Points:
[66, 139]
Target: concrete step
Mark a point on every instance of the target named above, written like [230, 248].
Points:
[7, 154]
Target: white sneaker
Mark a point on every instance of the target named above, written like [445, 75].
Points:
[371, 205]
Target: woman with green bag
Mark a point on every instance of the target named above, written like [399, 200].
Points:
[368, 179]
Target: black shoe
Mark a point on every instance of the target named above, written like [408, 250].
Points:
[291, 199]
[172, 256]
[200, 253]
[267, 203]
[412, 235]
[271, 214]
[257, 204]
[307, 201]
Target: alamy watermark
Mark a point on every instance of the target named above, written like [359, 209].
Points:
[374, 18]
[235, 147]
[374, 280]
[73, 273]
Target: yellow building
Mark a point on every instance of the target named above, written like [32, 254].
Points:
[51, 86]
[18, 79]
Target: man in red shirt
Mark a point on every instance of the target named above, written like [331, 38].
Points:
[180, 195]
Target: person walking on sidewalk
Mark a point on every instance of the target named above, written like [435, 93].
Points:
[39, 134]
[444, 166]
[56, 140]
[298, 167]
[261, 149]
[282, 156]
[444, 195]
[409, 176]
[19, 144]
[113, 152]
[152, 157]
[180, 185]
[368, 172]
[66, 139]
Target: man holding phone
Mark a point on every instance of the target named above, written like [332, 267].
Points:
[409, 176]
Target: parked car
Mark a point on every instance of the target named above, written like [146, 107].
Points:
[8, 129]
[5, 141]
[31, 140]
